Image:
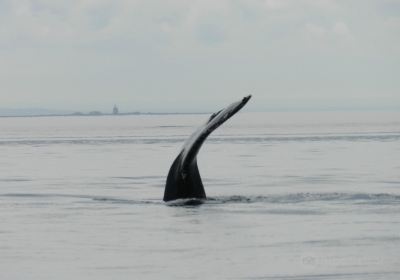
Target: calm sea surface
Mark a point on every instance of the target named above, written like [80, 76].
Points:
[292, 196]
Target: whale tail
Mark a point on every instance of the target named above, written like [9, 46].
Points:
[184, 179]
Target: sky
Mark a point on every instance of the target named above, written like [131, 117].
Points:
[200, 55]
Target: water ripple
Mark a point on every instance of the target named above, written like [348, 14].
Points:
[381, 198]
[213, 139]
[291, 198]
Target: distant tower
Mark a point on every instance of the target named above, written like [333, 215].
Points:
[115, 110]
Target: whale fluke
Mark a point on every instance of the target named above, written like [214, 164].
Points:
[184, 179]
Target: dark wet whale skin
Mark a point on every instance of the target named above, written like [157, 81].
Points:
[184, 179]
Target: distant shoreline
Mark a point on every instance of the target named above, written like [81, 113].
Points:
[97, 114]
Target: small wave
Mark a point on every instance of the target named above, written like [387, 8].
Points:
[90, 141]
[186, 202]
[125, 201]
[291, 198]
[87, 197]
[168, 139]
[383, 198]
[309, 138]
[14, 180]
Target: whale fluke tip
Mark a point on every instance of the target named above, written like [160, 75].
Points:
[246, 98]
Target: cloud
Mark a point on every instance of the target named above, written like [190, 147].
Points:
[315, 29]
[340, 28]
[275, 4]
[172, 23]
[102, 50]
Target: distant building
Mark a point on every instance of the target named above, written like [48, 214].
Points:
[115, 110]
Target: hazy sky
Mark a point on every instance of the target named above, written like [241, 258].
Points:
[190, 55]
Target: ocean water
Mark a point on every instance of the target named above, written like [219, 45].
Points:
[291, 196]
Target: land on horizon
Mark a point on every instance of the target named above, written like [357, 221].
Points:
[40, 112]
